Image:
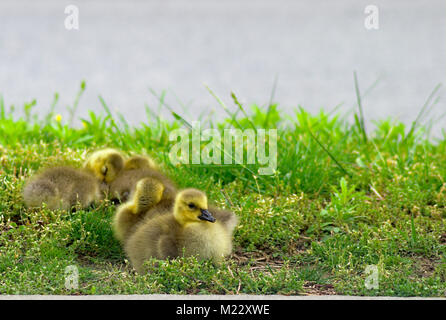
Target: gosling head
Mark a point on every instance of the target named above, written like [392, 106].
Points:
[105, 164]
[191, 205]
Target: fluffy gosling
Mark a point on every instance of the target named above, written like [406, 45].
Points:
[135, 169]
[153, 197]
[190, 229]
[149, 193]
[62, 188]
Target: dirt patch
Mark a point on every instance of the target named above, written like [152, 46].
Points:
[312, 288]
[424, 267]
[85, 261]
[258, 260]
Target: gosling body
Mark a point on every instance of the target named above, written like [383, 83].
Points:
[151, 198]
[135, 169]
[187, 229]
[62, 188]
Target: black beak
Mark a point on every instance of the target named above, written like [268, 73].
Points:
[206, 215]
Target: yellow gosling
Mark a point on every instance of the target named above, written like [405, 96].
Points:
[149, 193]
[190, 229]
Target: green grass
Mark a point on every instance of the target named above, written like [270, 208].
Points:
[341, 199]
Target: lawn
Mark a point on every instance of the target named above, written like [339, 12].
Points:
[342, 199]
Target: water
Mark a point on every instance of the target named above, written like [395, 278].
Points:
[124, 48]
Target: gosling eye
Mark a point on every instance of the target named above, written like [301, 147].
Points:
[192, 206]
[104, 170]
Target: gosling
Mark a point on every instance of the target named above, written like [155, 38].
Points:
[105, 164]
[156, 197]
[150, 198]
[135, 169]
[190, 230]
[62, 188]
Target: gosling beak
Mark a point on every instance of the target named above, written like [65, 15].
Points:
[206, 215]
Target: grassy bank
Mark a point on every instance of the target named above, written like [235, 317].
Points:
[340, 200]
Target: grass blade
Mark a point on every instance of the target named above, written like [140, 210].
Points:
[423, 109]
[361, 113]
